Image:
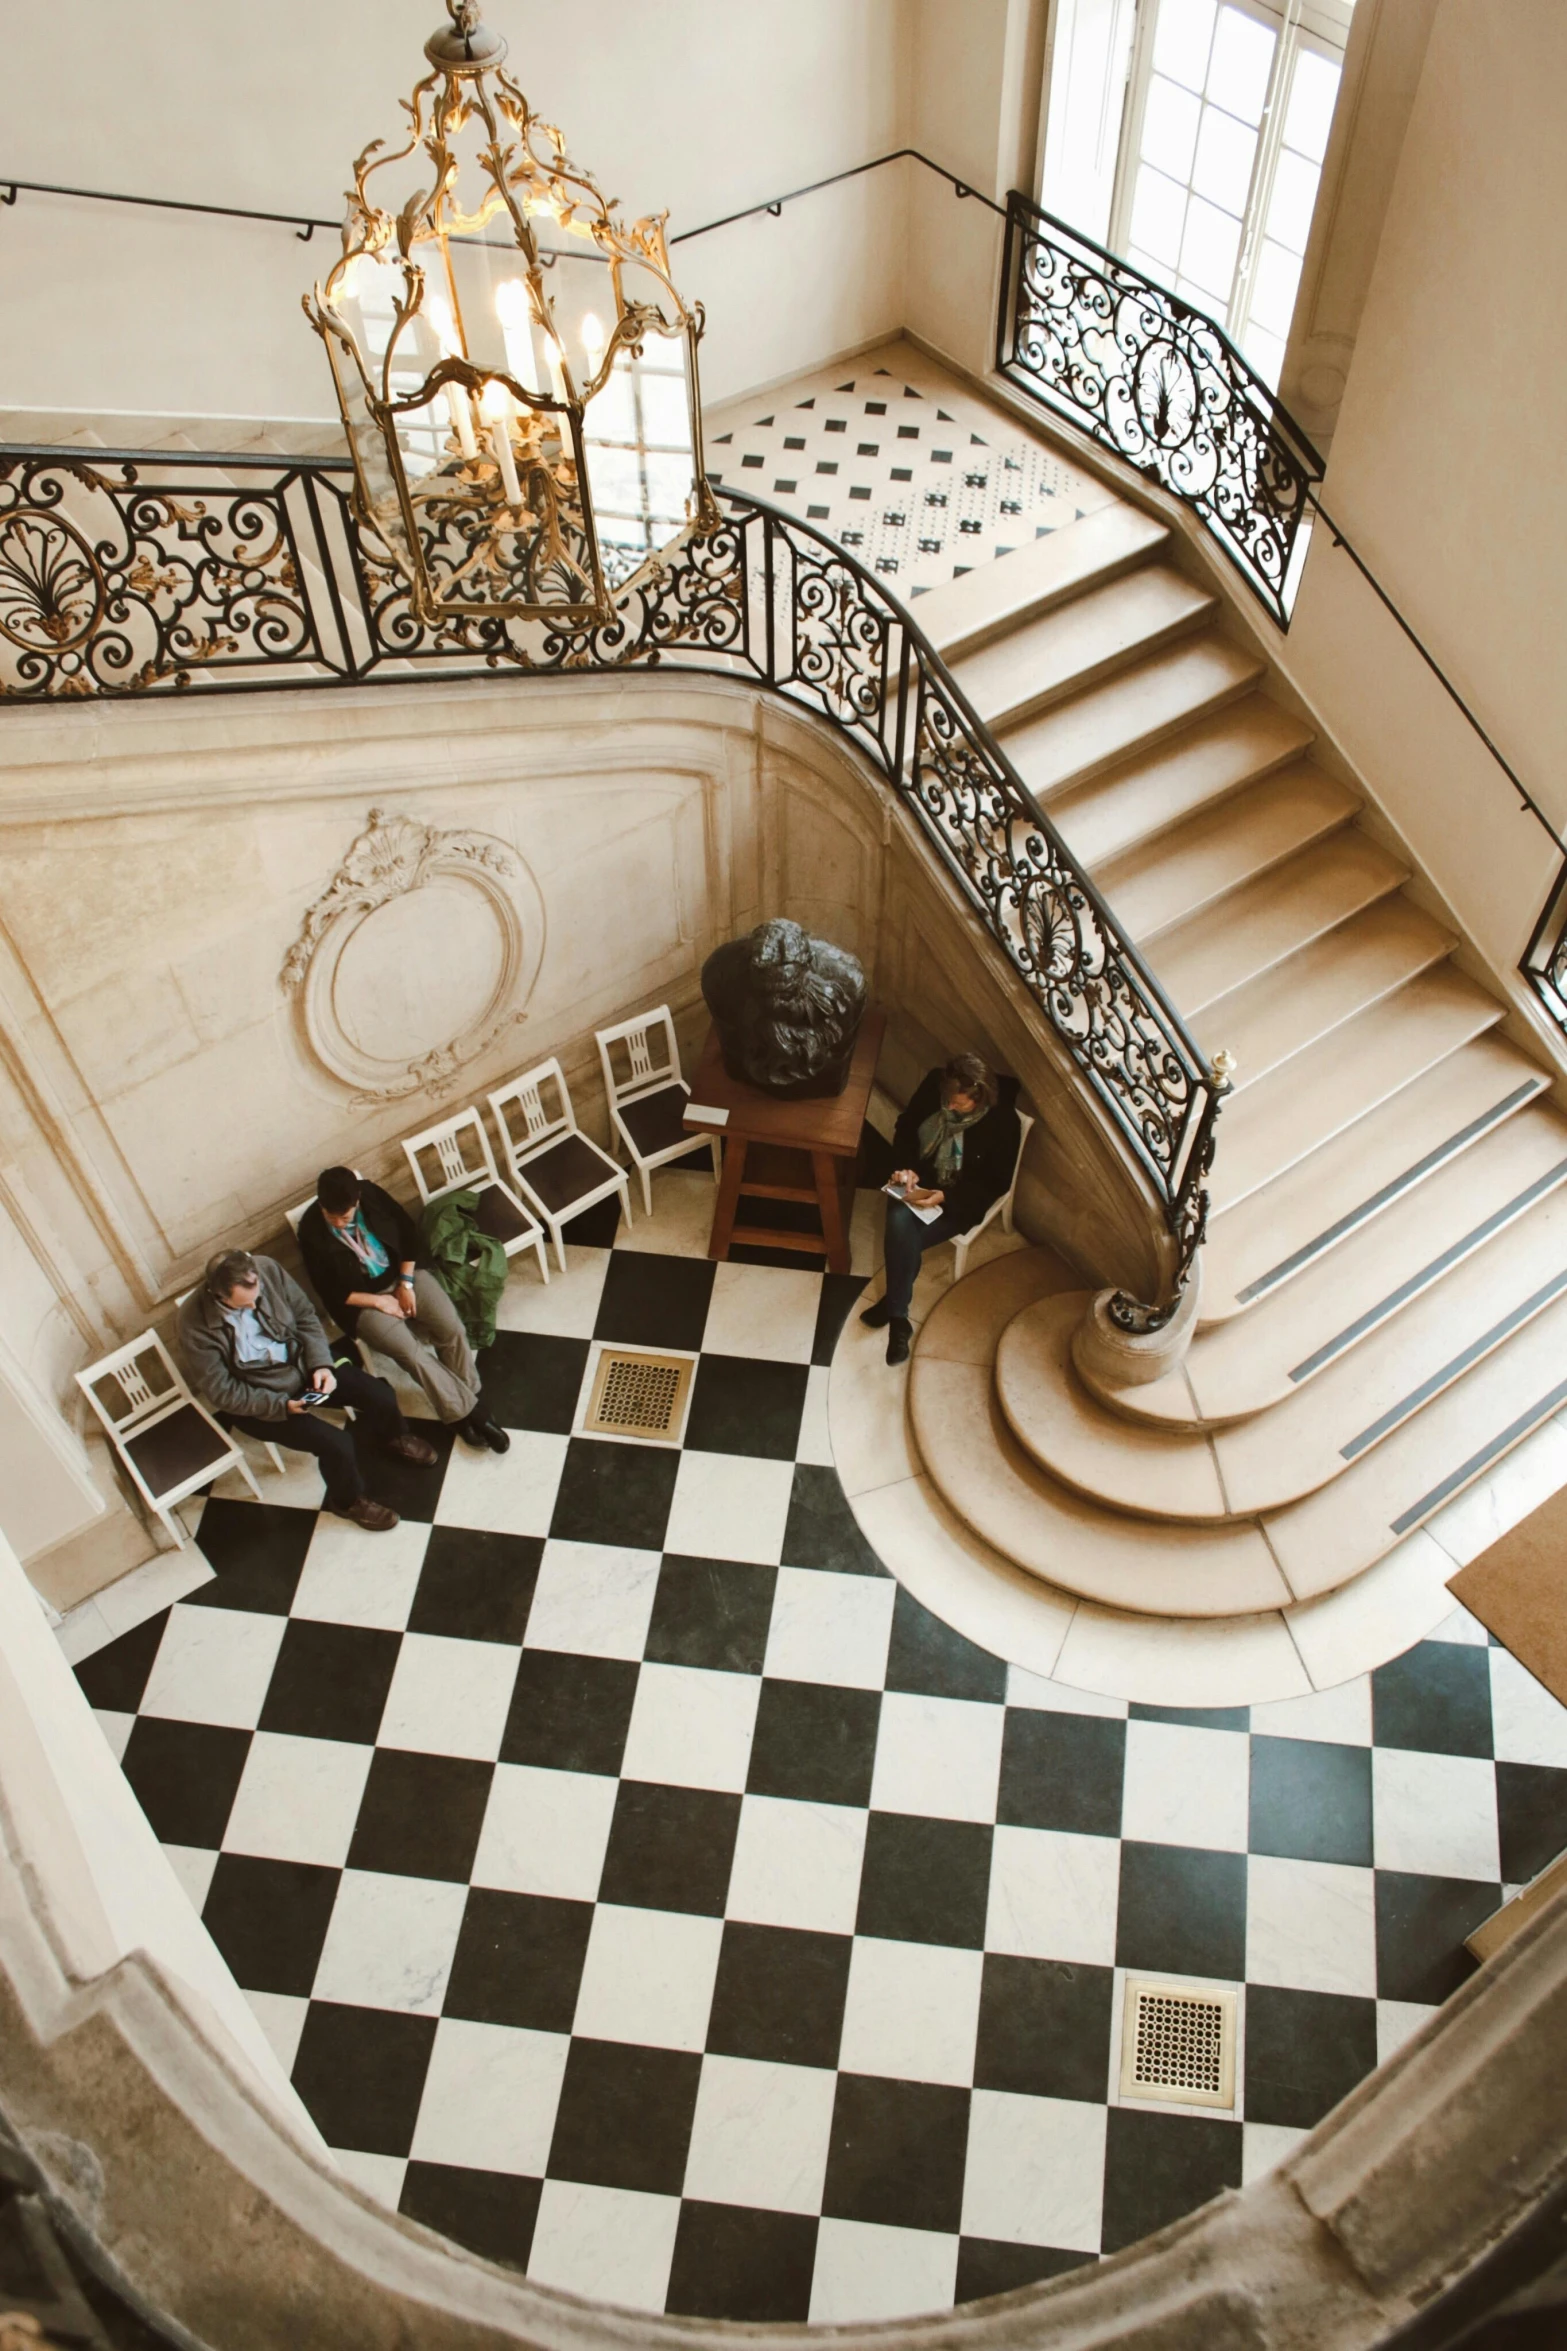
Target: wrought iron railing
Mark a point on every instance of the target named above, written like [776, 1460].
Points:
[136, 574]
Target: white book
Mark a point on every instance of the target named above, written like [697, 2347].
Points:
[704, 1114]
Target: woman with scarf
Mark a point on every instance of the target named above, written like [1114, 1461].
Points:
[955, 1145]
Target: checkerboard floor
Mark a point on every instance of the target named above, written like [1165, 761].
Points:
[644, 1890]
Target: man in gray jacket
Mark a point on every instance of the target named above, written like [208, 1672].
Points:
[258, 1358]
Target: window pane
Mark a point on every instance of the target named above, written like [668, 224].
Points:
[1273, 287]
[1170, 128]
[613, 416]
[1208, 249]
[666, 416]
[1182, 40]
[1160, 271]
[1158, 210]
[615, 477]
[1225, 152]
[668, 485]
[1290, 205]
[1242, 62]
[1266, 353]
[1312, 97]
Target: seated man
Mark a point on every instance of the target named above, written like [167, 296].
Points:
[257, 1356]
[359, 1246]
[956, 1147]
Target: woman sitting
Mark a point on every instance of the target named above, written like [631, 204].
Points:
[955, 1147]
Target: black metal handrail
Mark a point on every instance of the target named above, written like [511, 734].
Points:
[125, 573]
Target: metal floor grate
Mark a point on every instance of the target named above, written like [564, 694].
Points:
[639, 1394]
[1178, 2044]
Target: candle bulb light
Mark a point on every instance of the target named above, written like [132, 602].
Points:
[457, 407]
[496, 407]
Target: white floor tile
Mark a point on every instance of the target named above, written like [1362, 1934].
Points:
[762, 1312]
[797, 1864]
[390, 1942]
[193, 1865]
[648, 1977]
[830, 1628]
[213, 1665]
[449, 1697]
[937, 1756]
[508, 1493]
[1462, 1629]
[1435, 1814]
[1186, 1786]
[380, 2176]
[760, 2134]
[131, 1599]
[1340, 1716]
[1396, 2021]
[730, 1506]
[298, 1799]
[607, 2244]
[116, 1728]
[593, 1600]
[691, 1728]
[1311, 1926]
[1054, 1895]
[346, 1580]
[567, 1306]
[682, 1220]
[282, 2019]
[1048, 1697]
[490, 2097]
[545, 1832]
[1527, 1723]
[1035, 2172]
[1264, 2144]
[912, 2011]
[82, 1632]
[814, 1443]
[864, 2271]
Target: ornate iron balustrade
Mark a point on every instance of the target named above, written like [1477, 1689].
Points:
[1160, 383]
[126, 574]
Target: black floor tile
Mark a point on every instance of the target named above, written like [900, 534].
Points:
[925, 1881]
[491, 2212]
[1421, 1925]
[927, 1656]
[711, 1612]
[518, 1960]
[1436, 1696]
[257, 1550]
[330, 1681]
[360, 2072]
[475, 1586]
[404, 1486]
[1531, 1813]
[269, 1920]
[1196, 1718]
[624, 2119]
[897, 2153]
[570, 1713]
[1304, 2052]
[987, 2267]
[1182, 1911]
[840, 1295]
[115, 1676]
[420, 1815]
[1158, 2167]
[743, 1406]
[1044, 2028]
[670, 1848]
[1062, 1771]
[779, 1994]
[814, 1742]
[614, 1493]
[1311, 1801]
[732, 2261]
[652, 1301]
[596, 1227]
[821, 1530]
[183, 1775]
[532, 1380]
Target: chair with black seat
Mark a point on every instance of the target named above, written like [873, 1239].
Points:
[553, 1164]
[647, 1095]
[170, 1444]
[456, 1157]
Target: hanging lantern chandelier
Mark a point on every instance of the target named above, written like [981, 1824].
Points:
[516, 371]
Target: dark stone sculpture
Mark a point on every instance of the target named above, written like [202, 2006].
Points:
[787, 1008]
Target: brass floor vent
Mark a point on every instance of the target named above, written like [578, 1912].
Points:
[1178, 2044]
[639, 1394]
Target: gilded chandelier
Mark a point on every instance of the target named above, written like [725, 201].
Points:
[523, 417]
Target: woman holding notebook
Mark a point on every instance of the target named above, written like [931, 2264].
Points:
[955, 1147]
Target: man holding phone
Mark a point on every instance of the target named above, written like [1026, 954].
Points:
[258, 1358]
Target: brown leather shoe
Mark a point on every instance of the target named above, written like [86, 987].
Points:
[374, 1517]
[408, 1447]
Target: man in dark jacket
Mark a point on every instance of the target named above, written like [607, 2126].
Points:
[360, 1250]
[257, 1356]
[955, 1147]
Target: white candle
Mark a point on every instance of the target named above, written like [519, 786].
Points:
[462, 419]
[496, 406]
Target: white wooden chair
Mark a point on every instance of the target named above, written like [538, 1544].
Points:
[964, 1242]
[170, 1444]
[456, 1157]
[647, 1095]
[554, 1164]
[273, 1455]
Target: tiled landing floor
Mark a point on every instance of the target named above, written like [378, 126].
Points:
[643, 1889]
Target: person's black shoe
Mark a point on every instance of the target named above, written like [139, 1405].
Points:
[899, 1336]
[471, 1433]
[876, 1317]
[492, 1434]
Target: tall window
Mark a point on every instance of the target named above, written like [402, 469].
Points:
[1230, 104]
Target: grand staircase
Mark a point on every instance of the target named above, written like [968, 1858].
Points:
[1383, 1311]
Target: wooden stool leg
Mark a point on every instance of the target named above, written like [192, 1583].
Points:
[829, 1199]
[728, 1200]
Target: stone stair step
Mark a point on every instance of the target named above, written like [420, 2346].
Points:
[965, 614]
[1166, 881]
[1098, 633]
[1262, 924]
[1163, 786]
[1065, 747]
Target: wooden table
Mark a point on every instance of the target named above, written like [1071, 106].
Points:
[779, 1150]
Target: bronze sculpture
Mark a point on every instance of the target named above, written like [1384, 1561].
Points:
[787, 1008]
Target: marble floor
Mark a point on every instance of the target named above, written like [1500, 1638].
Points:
[645, 1889]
